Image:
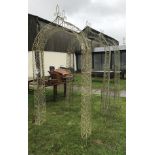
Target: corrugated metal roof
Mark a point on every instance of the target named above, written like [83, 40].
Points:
[60, 41]
[98, 32]
[111, 48]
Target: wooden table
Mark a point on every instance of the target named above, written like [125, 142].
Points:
[55, 83]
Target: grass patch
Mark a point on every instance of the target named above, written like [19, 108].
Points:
[97, 82]
[60, 134]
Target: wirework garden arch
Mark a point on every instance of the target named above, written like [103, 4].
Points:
[39, 77]
[86, 66]
[105, 89]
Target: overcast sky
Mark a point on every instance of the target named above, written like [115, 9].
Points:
[107, 16]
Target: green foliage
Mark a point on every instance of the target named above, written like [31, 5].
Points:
[60, 134]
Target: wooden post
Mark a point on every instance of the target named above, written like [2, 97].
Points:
[65, 87]
[54, 92]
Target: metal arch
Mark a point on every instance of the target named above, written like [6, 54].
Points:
[105, 90]
[106, 86]
[38, 75]
[70, 65]
[116, 74]
[108, 91]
